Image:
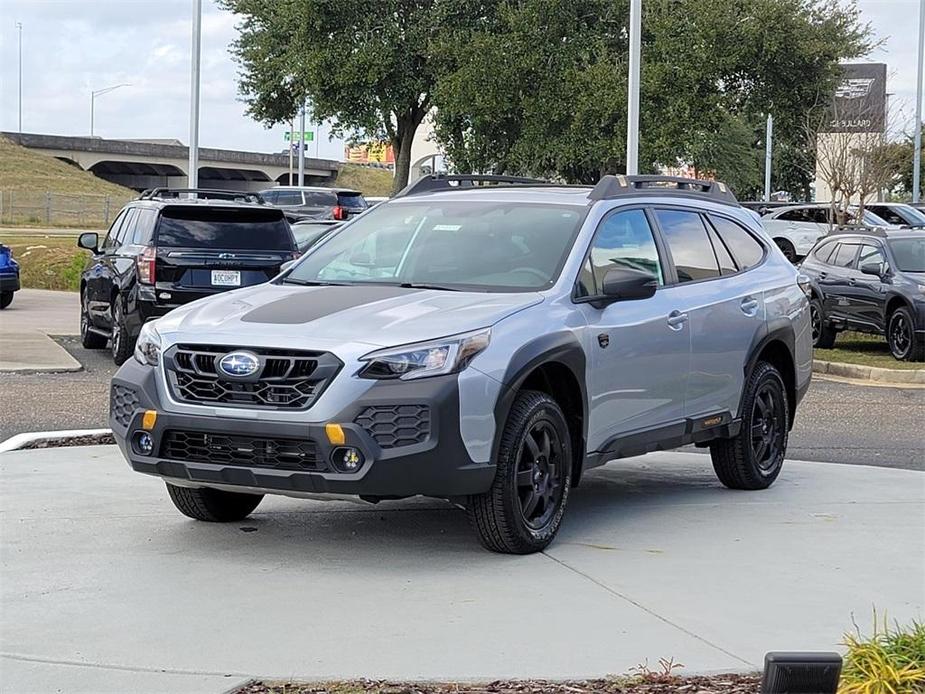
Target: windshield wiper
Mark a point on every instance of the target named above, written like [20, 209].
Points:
[312, 283]
[417, 285]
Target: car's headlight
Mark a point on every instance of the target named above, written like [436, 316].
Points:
[444, 356]
[148, 346]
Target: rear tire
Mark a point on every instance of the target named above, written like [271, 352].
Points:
[213, 505]
[823, 334]
[753, 459]
[6, 298]
[522, 511]
[120, 341]
[905, 344]
[88, 338]
[790, 253]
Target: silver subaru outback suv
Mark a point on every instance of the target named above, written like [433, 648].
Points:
[482, 339]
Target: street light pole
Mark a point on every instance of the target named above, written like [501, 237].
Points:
[302, 146]
[632, 111]
[100, 92]
[768, 135]
[19, 27]
[917, 151]
[192, 177]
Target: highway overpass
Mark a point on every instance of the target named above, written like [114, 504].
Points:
[141, 164]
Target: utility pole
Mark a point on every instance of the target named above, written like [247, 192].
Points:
[302, 146]
[291, 142]
[917, 151]
[19, 27]
[632, 111]
[768, 135]
[193, 175]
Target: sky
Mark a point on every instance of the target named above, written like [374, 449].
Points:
[72, 47]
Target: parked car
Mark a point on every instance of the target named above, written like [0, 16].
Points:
[9, 276]
[311, 231]
[298, 203]
[899, 214]
[795, 229]
[163, 251]
[872, 281]
[762, 207]
[376, 200]
[484, 344]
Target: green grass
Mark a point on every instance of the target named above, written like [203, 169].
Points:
[48, 262]
[890, 660]
[866, 350]
[369, 181]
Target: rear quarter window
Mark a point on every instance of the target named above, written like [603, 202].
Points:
[225, 228]
[745, 249]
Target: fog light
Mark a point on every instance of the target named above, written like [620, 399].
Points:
[144, 444]
[347, 459]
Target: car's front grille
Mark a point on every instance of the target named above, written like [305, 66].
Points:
[396, 425]
[122, 404]
[233, 449]
[285, 379]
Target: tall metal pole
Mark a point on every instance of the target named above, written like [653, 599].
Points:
[632, 110]
[768, 135]
[291, 142]
[302, 146]
[100, 92]
[92, 110]
[193, 176]
[19, 26]
[917, 151]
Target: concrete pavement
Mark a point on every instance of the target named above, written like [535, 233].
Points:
[25, 326]
[105, 587]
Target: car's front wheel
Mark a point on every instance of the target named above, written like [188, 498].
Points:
[753, 459]
[904, 344]
[213, 505]
[6, 298]
[522, 511]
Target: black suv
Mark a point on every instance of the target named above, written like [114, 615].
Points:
[164, 250]
[872, 281]
[308, 202]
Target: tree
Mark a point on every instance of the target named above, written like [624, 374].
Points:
[370, 67]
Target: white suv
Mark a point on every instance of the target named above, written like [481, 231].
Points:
[796, 229]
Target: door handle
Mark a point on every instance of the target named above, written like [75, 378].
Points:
[749, 306]
[676, 320]
[852, 281]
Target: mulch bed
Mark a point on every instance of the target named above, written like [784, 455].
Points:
[88, 440]
[647, 683]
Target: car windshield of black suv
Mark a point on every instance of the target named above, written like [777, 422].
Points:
[909, 254]
[475, 246]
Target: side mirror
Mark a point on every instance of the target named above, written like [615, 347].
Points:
[872, 269]
[90, 241]
[627, 284]
[361, 259]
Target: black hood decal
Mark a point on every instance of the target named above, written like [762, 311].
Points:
[315, 303]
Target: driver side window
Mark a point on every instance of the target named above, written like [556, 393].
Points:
[624, 239]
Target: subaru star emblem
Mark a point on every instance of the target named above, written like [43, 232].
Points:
[239, 364]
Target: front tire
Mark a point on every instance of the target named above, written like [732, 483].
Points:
[120, 341]
[753, 459]
[522, 511]
[823, 335]
[904, 344]
[6, 298]
[213, 505]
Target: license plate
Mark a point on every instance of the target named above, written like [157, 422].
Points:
[226, 278]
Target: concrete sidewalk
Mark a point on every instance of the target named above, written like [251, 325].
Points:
[25, 326]
[105, 587]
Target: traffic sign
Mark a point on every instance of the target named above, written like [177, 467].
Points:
[307, 136]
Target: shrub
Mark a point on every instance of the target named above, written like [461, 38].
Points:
[889, 661]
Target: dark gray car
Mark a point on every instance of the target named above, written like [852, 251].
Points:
[300, 203]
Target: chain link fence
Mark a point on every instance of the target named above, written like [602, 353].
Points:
[59, 209]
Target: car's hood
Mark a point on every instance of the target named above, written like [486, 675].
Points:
[325, 316]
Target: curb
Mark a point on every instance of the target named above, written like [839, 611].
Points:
[49, 438]
[870, 373]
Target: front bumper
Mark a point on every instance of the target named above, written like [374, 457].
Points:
[436, 465]
[9, 282]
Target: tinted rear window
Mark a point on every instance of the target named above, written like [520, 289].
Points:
[235, 229]
[352, 201]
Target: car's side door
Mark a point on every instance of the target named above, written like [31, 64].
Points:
[98, 288]
[868, 298]
[114, 262]
[835, 281]
[725, 308]
[638, 350]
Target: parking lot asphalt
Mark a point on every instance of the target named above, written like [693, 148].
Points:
[106, 587]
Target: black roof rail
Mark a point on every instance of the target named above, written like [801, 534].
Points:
[427, 184]
[201, 194]
[619, 185]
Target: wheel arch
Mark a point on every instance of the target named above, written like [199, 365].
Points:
[777, 348]
[554, 364]
[894, 302]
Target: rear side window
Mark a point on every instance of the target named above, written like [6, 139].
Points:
[690, 246]
[844, 256]
[320, 198]
[144, 227]
[793, 216]
[288, 197]
[623, 239]
[225, 228]
[744, 248]
[352, 201]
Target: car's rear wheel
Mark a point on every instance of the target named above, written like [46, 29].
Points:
[6, 298]
[213, 505]
[120, 341]
[823, 334]
[88, 338]
[790, 253]
[904, 344]
[753, 459]
[522, 511]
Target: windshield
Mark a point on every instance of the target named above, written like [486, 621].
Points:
[873, 220]
[478, 246]
[912, 215]
[909, 254]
